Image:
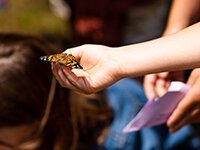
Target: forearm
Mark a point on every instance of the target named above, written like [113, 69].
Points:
[176, 52]
[182, 14]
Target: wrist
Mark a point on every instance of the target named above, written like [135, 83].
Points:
[121, 60]
[116, 57]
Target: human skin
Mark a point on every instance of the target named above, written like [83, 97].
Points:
[12, 137]
[188, 110]
[181, 15]
[105, 65]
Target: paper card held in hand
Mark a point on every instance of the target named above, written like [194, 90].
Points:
[157, 111]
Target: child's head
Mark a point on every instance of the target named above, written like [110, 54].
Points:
[27, 120]
[25, 82]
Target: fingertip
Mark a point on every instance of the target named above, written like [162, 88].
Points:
[171, 130]
[172, 120]
[163, 74]
[169, 123]
[171, 127]
[150, 96]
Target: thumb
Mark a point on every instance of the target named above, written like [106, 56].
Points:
[75, 51]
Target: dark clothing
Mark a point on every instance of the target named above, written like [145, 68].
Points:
[126, 97]
[100, 21]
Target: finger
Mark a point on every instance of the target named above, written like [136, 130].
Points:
[192, 78]
[55, 69]
[163, 75]
[74, 75]
[178, 126]
[183, 108]
[149, 86]
[78, 82]
[76, 51]
[189, 118]
[161, 87]
[72, 78]
[64, 80]
[80, 72]
[196, 119]
[82, 84]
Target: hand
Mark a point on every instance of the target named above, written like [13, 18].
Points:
[188, 110]
[156, 85]
[99, 70]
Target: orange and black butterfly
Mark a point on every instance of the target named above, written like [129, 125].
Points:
[64, 59]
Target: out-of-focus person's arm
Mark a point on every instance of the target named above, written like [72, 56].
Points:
[102, 66]
[181, 15]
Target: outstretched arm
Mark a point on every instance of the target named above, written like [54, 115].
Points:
[104, 65]
[174, 52]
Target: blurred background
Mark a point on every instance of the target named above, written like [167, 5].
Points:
[51, 19]
[33, 17]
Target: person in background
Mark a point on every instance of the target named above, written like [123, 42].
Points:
[112, 23]
[99, 22]
[35, 112]
[25, 86]
[103, 66]
[182, 14]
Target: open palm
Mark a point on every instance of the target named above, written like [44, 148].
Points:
[99, 70]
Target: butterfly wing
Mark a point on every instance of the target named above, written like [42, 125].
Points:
[64, 59]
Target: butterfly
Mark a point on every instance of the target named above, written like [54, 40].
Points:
[64, 59]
